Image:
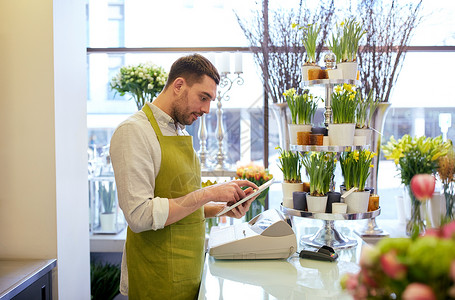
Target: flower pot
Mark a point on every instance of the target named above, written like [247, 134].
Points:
[316, 204]
[288, 190]
[332, 197]
[107, 221]
[367, 132]
[299, 200]
[294, 128]
[335, 74]
[341, 134]
[358, 202]
[349, 70]
[306, 68]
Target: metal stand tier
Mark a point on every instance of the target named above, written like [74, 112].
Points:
[308, 148]
[328, 235]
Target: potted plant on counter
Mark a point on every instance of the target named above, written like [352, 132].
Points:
[344, 105]
[320, 168]
[302, 108]
[355, 168]
[290, 164]
[107, 193]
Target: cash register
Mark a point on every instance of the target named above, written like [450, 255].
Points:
[266, 236]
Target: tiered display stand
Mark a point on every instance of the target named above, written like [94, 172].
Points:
[327, 234]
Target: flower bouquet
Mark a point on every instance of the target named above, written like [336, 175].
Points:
[258, 175]
[403, 268]
[415, 156]
[143, 82]
[320, 168]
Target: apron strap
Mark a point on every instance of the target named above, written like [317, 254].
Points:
[148, 112]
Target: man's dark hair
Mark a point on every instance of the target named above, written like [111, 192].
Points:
[192, 68]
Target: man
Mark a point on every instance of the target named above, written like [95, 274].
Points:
[158, 179]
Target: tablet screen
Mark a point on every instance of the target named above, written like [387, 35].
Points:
[256, 192]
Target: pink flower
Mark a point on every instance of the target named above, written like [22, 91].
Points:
[418, 291]
[422, 186]
[448, 230]
[433, 232]
[452, 270]
[352, 281]
[391, 266]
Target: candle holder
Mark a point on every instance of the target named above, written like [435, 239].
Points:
[225, 86]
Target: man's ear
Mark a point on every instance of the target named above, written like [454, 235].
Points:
[178, 84]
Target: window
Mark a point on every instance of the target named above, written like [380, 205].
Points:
[422, 102]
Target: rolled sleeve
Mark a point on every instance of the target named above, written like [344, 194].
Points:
[136, 157]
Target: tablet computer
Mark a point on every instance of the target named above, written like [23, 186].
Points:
[255, 193]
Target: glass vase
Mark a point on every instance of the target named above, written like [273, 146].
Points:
[415, 225]
[449, 197]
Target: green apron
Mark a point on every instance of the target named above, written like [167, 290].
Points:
[167, 263]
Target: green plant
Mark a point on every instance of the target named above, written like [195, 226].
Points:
[334, 43]
[352, 33]
[365, 110]
[302, 107]
[104, 280]
[290, 164]
[355, 168]
[310, 37]
[143, 82]
[344, 104]
[320, 167]
[108, 197]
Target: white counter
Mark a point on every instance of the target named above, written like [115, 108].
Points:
[289, 279]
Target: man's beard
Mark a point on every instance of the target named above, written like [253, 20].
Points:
[181, 113]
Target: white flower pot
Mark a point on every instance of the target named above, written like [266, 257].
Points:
[316, 204]
[341, 134]
[335, 74]
[357, 202]
[359, 140]
[288, 202]
[367, 132]
[288, 190]
[305, 69]
[107, 222]
[349, 70]
[294, 128]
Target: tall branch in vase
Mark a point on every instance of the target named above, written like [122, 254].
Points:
[278, 50]
[390, 27]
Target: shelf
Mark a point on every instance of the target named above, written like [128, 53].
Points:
[329, 82]
[307, 148]
[329, 216]
[218, 173]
